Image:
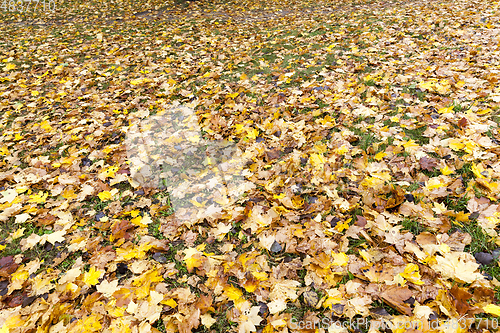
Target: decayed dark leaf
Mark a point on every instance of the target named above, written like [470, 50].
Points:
[7, 266]
[276, 247]
[159, 257]
[360, 221]
[483, 258]
[380, 311]
[273, 154]
[311, 298]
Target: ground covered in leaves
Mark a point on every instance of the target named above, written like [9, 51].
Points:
[369, 132]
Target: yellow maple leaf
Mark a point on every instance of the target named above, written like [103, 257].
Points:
[239, 128]
[434, 183]
[410, 146]
[10, 66]
[443, 87]
[142, 221]
[108, 173]
[20, 275]
[366, 256]
[46, 126]
[69, 194]
[477, 170]
[134, 252]
[252, 133]
[91, 277]
[462, 217]
[455, 144]
[483, 112]
[137, 82]
[233, 293]
[193, 262]
[247, 256]
[334, 297]
[261, 276]
[134, 212]
[4, 151]
[412, 274]
[90, 324]
[13, 321]
[170, 302]
[38, 198]
[342, 150]
[193, 258]
[459, 266]
[493, 187]
[317, 160]
[137, 221]
[446, 171]
[426, 85]
[104, 195]
[18, 233]
[341, 226]
[340, 259]
[379, 156]
[493, 309]
[107, 288]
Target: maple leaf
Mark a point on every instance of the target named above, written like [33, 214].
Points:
[317, 160]
[8, 195]
[89, 324]
[411, 273]
[492, 309]
[458, 265]
[207, 320]
[446, 171]
[54, 237]
[249, 320]
[428, 163]
[193, 259]
[104, 195]
[91, 277]
[282, 291]
[340, 259]
[38, 198]
[70, 275]
[107, 288]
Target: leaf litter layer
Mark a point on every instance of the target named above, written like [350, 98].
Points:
[370, 140]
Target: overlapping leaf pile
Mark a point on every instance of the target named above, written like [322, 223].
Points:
[370, 133]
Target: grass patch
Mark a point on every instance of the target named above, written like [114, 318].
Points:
[366, 139]
[456, 204]
[413, 226]
[416, 135]
[481, 242]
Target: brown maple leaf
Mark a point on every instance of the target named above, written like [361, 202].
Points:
[427, 163]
